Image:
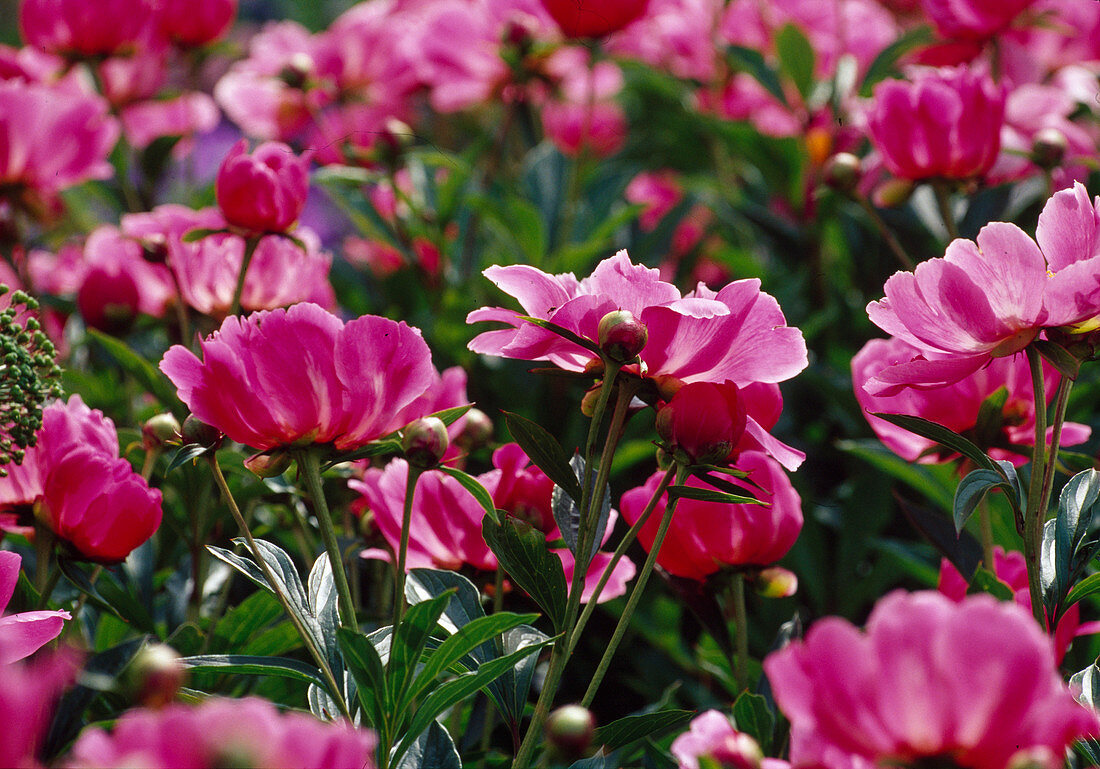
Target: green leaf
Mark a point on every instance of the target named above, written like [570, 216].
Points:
[1087, 683]
[545, 451]
[920, 478]
[752, 61]
[629, 729]
[522, 552]
[972, 489]
[433, 749]
[961, 548]
[949, 439]
[472, 485]
[1086, 587]
[185, 453]
[146, 374]
[409, 640]
[712, 495]
[198, 233]
[465, 606]
[284, 667]
[990, 422]
[1065, 550]
[1067, 363]
[567, 512]
[324, 606]
[362, 661]
[796, 58]
[886, 62]
[458, 689]
[450, 416]
[985, 581]
[564, 333]
[377, 448]
[753, 716]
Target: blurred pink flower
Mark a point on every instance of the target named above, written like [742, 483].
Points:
[80, 28]
[1011, 569]
[447, 391]
[248, 731]
[21, 635]
[134, 77]
[350, 383]
[52, 137]
[117, 282]
[185, 115]
[28, 692]
[956, 405]
[705, 537]
[581, 112]
[941, 123]
[380, 258]
[974, 682]
[972, 19]
[195, 22]
[264, 191]
[588, 18]
[658, 192]
[676, 36]
[712, 735]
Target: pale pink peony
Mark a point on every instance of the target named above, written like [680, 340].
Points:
[974, 683]
[972, 19]
[956, 405]
[676, 36]
[21, 635]
[28, 693]
[657, 192]
[711, 735]
[582, 113]
[219, 732]
[942, 123]
[184, 116]
[80, 28]
[264, 191]
[350, 386]
[705, 537]
[117, 283]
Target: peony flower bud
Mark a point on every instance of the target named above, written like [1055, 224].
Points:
[593, 19]
[269, 464]
[622, 336]
[155, 675]
[703, 422]
[569, 730]
[159, 430]
[80, 28]
[108, 300]
[776, 582]
[195, 23]
[425, 442]
[477, 431]
[264, 191]
[196, 431]
[1048, 148]
[842, 172]
[712, 740]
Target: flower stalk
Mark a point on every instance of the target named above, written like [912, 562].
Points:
[403, 551]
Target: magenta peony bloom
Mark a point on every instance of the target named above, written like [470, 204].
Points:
[264, 191]
[945, 123]
[712, 735]
[28, 692]
[53, 137]
[973, 683]
[301, 376]
[589, 18]
[80, 28]
[184, 116]
[191, 23]
[956, 405]
[1011, 569]
[705, 537]
[704, 420]
[116, 282]
[676, 36]
[21, 635]
[221, 732]
[582, 112]
[972, 19]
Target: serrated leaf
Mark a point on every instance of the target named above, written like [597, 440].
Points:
[947, 438]
[630, 729]
[522, 552]
[796, 58]
[752, 716]
[712, 495]
[147, 375]
[752, 61]
[245, 664]
[433, 749]
[544, 450]
[472, 485]
[567, 513]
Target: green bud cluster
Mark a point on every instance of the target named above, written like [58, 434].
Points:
[29, 376]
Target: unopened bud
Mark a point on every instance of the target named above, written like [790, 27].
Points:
[843, 172]
[622, 336]
[893, 193]
[196, 431]
[1048, 148]
[737, 751]
[155, 675]
[425, 442]
[160, 430]
[569, 730]
[477, 431]
[268, 464]
[776, 582]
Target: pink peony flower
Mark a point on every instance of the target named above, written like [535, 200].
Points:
[189, 23]
[53, 137]
[956, 405]
[703, 420]
[80, 28]
[582, 113]
[943, 123]
[28, 692]
[588, 18]
[676, 36]
[712, 735]
[351, 381]
[1011, 569]
[657, 192]
[21, 635]
[705, 537]
[264, 191]
[972, 19]
[221, 731]
[116, 282]
[973, 683]
[185, 116]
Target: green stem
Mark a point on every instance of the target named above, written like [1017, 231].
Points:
[741, 617]
[47, 589]
[307, 639]
[250, 244]
[1033, 516]
[886, 233]
[310, 465]
[986, 520]
[402, 553]
[627, 540]
[943, 202]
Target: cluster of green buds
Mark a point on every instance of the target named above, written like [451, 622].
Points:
[29, 375]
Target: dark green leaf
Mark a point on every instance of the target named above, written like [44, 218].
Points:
[961, 548]
[433, 749]
[567, 512]
[1086, 587]
[972, 489]
[146, 374]
[362, 661]
[1062, 359]
[629, 729]
[184, 454]
[711, 495]
[522, 552]
[258, 666]
[472, 485]
[796, 58]
[450, 416]
[511, 689]
[377, 448]
[919, 477]
[545, 451]
[885, 63]
[752, 716]
[1065, 552]
[990, 422]
[465, 606]
[752, 61]
[985, 581]
[564, 333]
[408, 644]
[949, 439]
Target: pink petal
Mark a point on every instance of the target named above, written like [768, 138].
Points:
[21, 635]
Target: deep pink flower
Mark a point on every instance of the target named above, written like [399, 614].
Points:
[80, 28]
[956, 405]
[972, 19]
[248, 731]
[676, 36]
[589, 18]
[705, 537]
[351, 381]
[195, 23]
[116, 282]
[942, 123]
[657, 192]
[704, 420]
[264, 191]
[53, 137]
[25, 633]
[973, 683]
[28, 692]
[1011, 569]
[712, 735]
[582, 112]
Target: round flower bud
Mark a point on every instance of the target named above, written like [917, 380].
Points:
[1048, 148]
[196, 431]
[843, 171]
[269, 464]
[569, 730]
[893, 193]
[155, 675]
[262, 191]
[703, 422]
[776, 582]
[160, 430]
[425, 442]
[477, 431]
[622, 336]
